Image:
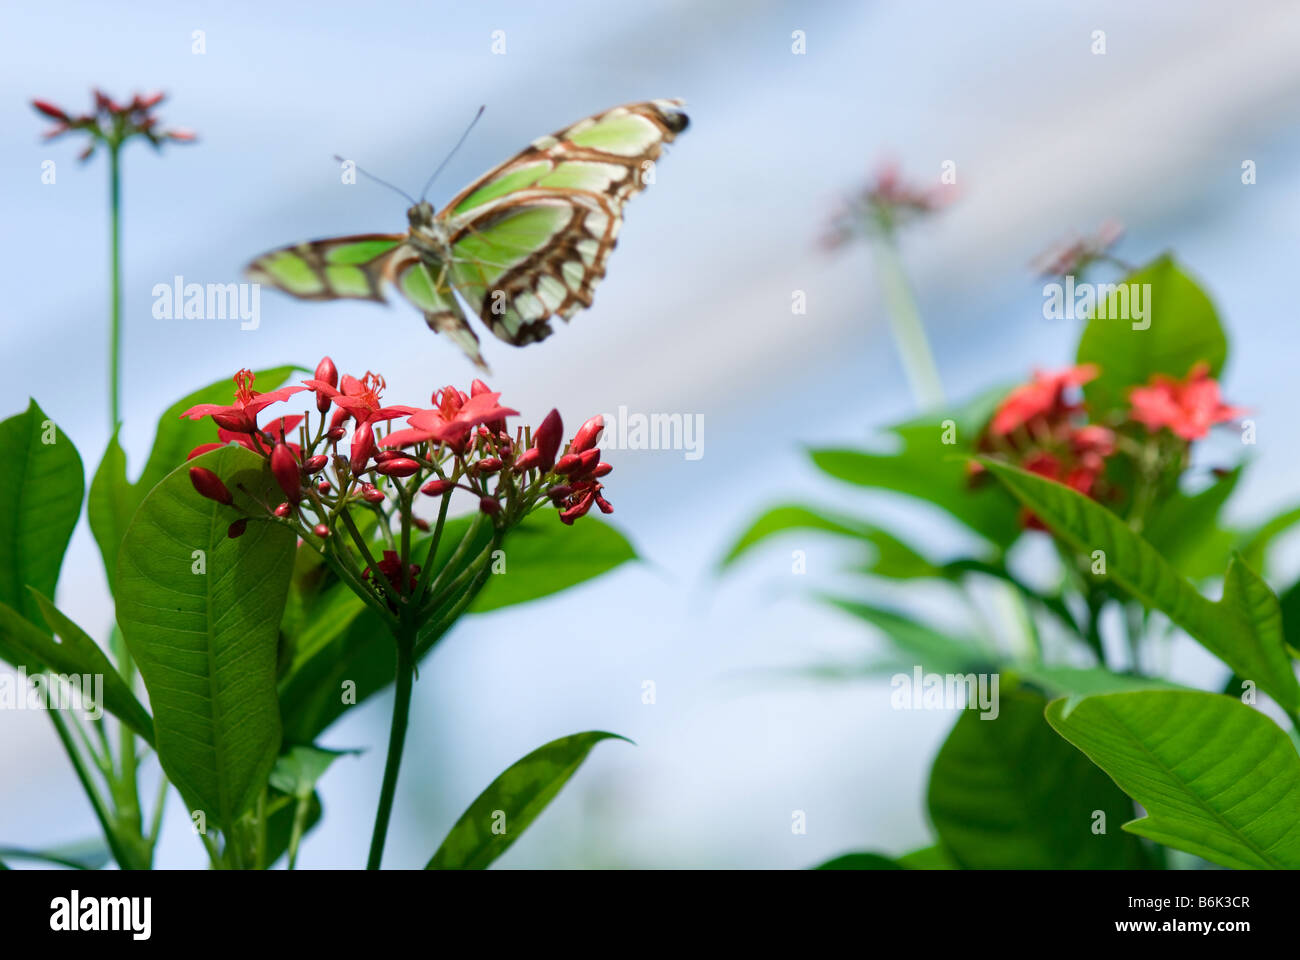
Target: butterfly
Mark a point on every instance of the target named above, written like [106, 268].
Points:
[523, 244]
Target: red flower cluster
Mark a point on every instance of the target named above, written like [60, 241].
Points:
[1187, 407]
[460, 442]
[1043, 428]
[112, 123]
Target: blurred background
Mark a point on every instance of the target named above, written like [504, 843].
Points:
[695, 317]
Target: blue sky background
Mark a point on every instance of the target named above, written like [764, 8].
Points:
[693, 318]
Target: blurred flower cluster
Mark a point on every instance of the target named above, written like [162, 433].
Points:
[112, 123]
[1046, 427]
[884, 204]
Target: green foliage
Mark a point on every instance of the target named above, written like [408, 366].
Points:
[1184, 330]
[860, 861]
[1006, 792]
[41, 487]
[1244, 628]
[114, 499]
[200, 612]
[503, 811]
[1216, 778]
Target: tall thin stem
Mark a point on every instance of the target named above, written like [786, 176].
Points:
[905, 321]
[115, 305]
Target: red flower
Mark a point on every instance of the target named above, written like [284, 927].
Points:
[451, 418]
[1187, 407]
[276, 429]
[241, 416]
[360, 398]
[113, 123]
[1043, 397]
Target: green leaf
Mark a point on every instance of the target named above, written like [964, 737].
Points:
[1256, 544]
[90, 855]
[279, 822]
[1216, 778]
[933, 650]
[512, 802]
[114, 499]
[542, 556]
[860, 861]
[297, 771]
[1244, 628]
[200, 613]
[41, 487]
[926, 467]
[1185, 529]
[73, 653]
[891, 557]
[927, 858]
[1184, 330]
[1086, 681]
[1008, 793]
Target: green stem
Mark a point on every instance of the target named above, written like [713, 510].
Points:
[120, 853]
[905, 322]
[405, 637]
[115, 305]
[299, 826]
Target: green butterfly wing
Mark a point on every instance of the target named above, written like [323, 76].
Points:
[530, 239]
[342, 268]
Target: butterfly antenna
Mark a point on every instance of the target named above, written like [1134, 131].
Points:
[382, 183]
[444, 163]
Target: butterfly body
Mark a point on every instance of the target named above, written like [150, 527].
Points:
[523, 244]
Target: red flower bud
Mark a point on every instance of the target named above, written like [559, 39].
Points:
[209, 485]
[588, 434]
[528, 460]
[546, 439]
[489, 506]
[323, 486]
[316, 464]
[237, 422]
[567, 463]
[487, 466]
[363, 445]
[436, 488]
[588, 460]
[284, 510]
[383, 455]
[559, 493]
[340, 417]
[326, 372]
[321, 530]
[602, 469]
[287, 473]
[336, 434]
[371, 494]
[50, 110]
[236, 529]
[397, 467]
[421, 525]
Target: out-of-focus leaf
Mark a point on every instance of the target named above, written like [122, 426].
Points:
[935, 651]
[1255, 544]
[860, 861]
[1183, 330]
[1185, 529]
[930, 465]
[1006, 792]
[927, 858]
[1244, 628]
[1215, 777]
[1086, 681]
